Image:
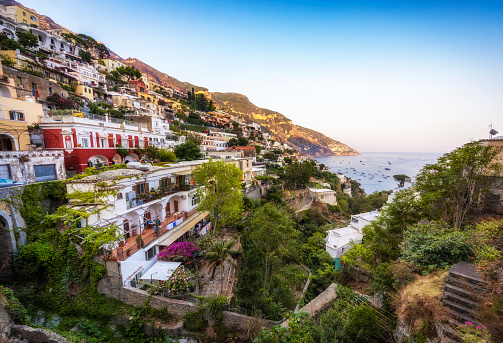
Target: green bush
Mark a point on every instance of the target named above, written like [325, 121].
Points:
[194, 321]
[433, 246]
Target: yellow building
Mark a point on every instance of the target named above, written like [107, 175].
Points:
[153, 85]
[110, 63]
[14, 135]
[22, 16]
[84, 90]
[147, 97]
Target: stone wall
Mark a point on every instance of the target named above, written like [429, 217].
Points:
[254, 193]
[239, 324]
[21, 163]
[493, 200]
[24, 84]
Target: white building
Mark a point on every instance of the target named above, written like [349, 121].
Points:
[339, 241]
[151, 207]
[323, 195]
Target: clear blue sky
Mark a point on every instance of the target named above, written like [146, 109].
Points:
[376, 75]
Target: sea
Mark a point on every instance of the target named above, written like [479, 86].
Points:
[375, 170]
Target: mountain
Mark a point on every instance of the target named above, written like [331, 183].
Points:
[307, 141]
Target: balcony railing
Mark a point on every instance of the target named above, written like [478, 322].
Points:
[148, 235]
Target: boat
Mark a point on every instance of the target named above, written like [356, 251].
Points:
[387, 169]
[389, 162]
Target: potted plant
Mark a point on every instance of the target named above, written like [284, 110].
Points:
[138, 241]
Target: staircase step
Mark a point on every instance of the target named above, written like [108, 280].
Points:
[450, 333]
[462, 291]
[464, 284]
[460, 317]
[466, 271]
[460, 300]
[459, 307]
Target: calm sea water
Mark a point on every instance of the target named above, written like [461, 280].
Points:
[369, 168]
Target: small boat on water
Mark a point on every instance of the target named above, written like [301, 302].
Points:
[387, 169]
[389, 162]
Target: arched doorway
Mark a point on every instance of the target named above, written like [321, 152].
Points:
[175, 205]
[6, 143]
[5, 92]
[131, 158]
[97, 161]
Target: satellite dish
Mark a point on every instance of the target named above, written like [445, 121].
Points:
[493, 132]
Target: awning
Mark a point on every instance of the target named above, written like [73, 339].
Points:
[185, 172]
[160, 271]
[178, 231]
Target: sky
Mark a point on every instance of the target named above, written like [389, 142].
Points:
[380, 76]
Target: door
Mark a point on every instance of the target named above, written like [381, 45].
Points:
[175, 203]
[168, 210]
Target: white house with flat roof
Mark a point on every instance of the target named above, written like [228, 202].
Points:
[323, 195]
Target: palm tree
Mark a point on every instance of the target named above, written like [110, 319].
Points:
[220, 252]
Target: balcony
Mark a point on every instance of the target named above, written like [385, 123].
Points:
[130, 203]
[149, 234]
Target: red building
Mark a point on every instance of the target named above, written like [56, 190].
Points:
[89, 139]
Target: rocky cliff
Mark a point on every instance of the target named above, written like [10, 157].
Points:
[307, 141]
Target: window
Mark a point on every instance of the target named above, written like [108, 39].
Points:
[50, 90]
[24, 14]
[19, 81]
[33, 18]
[103, 142]
[47, 74]
[45, 172]
[140, 188]
[150, 253]
[16, 115]
[85, 142]
[33, 85]
[25, 22]
[68, 144]
[195, 200]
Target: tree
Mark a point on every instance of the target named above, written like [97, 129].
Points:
[243, 141]
[453, 187]
[164, 155]
[86, 56]
[27, 39]
[130, 72]
[400, 178]
[188, 151]
[220, 252]
[232, 142]
[297, 175]
[269, 228]
[258, 149]
[270, 156]
[220, 191]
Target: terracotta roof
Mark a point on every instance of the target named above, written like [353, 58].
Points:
[241, 148]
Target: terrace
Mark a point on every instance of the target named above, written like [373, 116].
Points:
[171, 225]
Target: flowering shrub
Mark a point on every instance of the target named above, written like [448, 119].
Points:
[182, 251]
[181, 281]
[471, 333]
[60, 102]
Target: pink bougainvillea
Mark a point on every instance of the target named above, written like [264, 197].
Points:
[179, 251]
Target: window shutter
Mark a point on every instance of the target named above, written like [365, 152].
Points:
[134, 189]
[147, 189]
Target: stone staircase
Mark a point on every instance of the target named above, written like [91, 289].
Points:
[463, 289]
